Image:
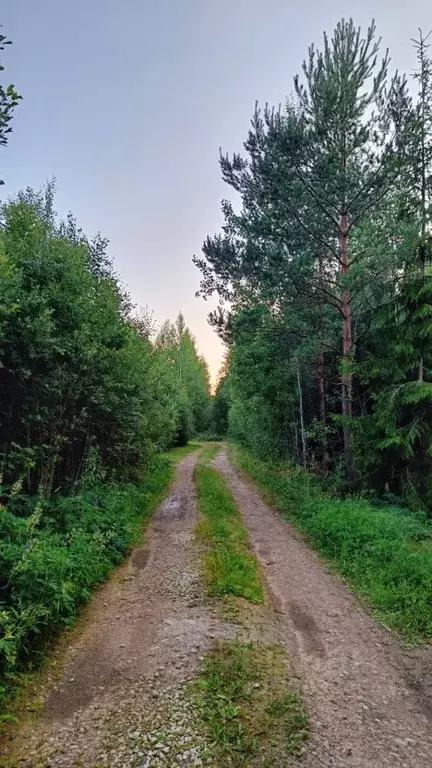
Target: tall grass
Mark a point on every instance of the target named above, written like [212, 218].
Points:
[51, 560]
[384, 552]
[230, 567]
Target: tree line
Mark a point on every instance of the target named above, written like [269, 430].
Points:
[323, 271]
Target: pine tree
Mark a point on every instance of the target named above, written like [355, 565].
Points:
[349, 112]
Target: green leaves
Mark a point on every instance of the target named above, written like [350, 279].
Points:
[189, 379]
[76, 371]
[326, 263]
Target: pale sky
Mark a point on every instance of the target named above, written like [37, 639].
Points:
[126, 103]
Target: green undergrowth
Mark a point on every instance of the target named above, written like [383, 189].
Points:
[51, 560]
[248, 706]
[230, 567]
[384, 552]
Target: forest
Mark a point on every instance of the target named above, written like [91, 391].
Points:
[323, 271]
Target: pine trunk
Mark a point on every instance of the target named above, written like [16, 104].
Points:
[325, 459]
[302, 427]
[346, 380]
[422, 260]
[422, 254]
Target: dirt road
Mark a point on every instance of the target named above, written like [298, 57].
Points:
[120, 699]
[364, 712]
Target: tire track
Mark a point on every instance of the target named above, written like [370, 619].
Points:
[363, 712]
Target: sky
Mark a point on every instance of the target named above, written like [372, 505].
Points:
[126, 103]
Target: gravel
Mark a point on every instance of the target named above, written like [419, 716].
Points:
[364, 710]
[123, 697]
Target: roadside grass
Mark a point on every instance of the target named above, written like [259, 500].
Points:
[50, 565]
[384, 552]
[229, 566]
[248, 707]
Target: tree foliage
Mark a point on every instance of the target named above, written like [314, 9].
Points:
[189, 374]
[78, 371]
[326, 268]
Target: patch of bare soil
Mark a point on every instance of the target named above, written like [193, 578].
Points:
[120, 700]
[364, 710]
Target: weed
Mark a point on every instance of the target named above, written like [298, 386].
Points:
[230, 567]
[248, 707]
[208, 453]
